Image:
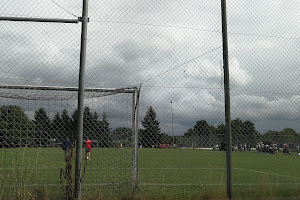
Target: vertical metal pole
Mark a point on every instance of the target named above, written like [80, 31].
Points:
[227, 100]
[78, 172]
[172, 124]
[133, 143]
[135, 139]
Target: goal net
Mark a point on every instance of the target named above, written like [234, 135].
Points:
[36, 120]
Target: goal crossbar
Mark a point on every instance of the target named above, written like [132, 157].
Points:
[57, 92]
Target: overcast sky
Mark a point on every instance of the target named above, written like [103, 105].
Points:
[173, 48]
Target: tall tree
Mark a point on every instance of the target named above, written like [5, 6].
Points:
[105, 132]
[288, 135]
[220, 129]
[151, 132]
[269, 136]
[237, 131]
[166, 139]
[57, 127]
[95, 125]
[250, 135]
[190, 132]
[190, 137]
[202, 128]
[220, 134]
[122, 135]
[67, 127]
[16, 129]
[90, 123]
[73, 123]
[61, 126]
[42, 127]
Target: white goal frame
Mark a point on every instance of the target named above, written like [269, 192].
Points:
[42, 94]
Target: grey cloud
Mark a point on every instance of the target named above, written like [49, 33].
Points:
[264, 84]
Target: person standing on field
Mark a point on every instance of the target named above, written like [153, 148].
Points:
[66, 146]
[88, 148]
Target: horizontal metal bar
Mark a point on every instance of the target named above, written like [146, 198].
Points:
[32, 19]
[56, 88]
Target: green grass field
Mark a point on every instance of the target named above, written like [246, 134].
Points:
[34, 173]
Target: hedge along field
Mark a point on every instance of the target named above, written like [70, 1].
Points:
[163, 173]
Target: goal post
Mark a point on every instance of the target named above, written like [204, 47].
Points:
[135, 139]
[57, 93]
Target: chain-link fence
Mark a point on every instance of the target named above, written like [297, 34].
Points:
[163, 60]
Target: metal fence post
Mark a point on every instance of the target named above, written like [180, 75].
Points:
[78, 172]
[227, 100]
[135, 139]
[172, 125]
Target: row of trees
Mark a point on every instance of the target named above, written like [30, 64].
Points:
[242, 132]
[17, 129]
[206, 135]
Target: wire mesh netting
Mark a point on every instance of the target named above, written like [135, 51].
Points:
[38, 133]
[173, 50]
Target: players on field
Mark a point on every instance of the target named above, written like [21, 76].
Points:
[88, 148]
[66, 146]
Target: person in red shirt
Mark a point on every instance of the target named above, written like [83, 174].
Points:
[88, 148]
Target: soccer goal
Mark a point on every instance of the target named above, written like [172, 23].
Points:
[35, 121]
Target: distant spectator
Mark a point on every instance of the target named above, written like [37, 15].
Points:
[285, 149]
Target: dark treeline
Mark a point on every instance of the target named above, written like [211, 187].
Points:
[17, 129]
[204, 135]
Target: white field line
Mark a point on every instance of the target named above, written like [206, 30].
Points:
[213, 184]
[242, 169]
[186, 168]
[268, 173]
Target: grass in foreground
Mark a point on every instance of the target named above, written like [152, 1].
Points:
[34, 173]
